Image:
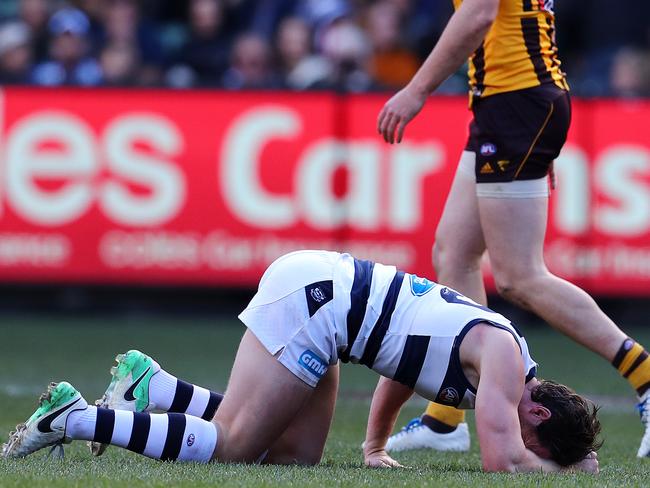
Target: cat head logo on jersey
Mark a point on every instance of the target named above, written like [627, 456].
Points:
[420, 286]
[317, 294]
[448, 396]
[488, 149]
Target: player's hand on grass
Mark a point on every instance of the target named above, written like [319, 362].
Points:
[399, 111]
[589, 464]
[380, 459]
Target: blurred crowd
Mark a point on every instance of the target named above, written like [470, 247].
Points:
[344, 45]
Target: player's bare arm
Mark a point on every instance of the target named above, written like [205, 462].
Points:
[504, 412]
[387, 401]
[464, 33]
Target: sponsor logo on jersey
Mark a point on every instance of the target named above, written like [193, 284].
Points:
[503, 164]
[488, 149]
[190, 440]
[486, 169]
[312, 363]
[420, 286]
[317, 294]
[449, 396]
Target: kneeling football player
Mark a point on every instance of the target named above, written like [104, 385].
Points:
[312, 309]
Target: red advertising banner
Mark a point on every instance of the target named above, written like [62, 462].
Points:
[165, 187]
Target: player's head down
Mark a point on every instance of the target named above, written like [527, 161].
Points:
[569, 430]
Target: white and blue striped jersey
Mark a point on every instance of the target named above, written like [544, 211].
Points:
[409, 329]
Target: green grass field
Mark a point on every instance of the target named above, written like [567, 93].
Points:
[37, 351]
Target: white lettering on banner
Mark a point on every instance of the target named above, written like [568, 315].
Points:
[57, 146]
[410, 163]
[312, 199]
[72, 159]
[220, 251]
[361, 204]
[239, 176]
[20, 249]
[593, 261]
[617, 175]
[572, 198]
[165, 181]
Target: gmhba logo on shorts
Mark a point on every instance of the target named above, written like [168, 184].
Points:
[312, 363]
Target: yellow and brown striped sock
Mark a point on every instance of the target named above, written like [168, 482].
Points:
[442, 418]
[633, 362]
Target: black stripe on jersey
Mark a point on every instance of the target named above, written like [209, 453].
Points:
[478, 60]
[174, 440]
[412, 360]
[182, 397]
[139, 432]
[530, 31]
[104, 425]
[528, 5]
[378, 332]
[642, 357]
[213, 405]
[359, 295]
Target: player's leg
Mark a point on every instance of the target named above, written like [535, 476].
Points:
[459, 243]
[258, 383]
[522, 277]
[304, 440]
[139, 384]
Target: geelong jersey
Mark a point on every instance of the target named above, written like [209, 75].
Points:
[519, 50]
[409, 329]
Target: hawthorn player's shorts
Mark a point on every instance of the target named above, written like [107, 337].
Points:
[517, 135]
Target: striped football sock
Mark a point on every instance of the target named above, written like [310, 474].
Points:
[442, 418]
[633, 362]
[166, 436]
[170, 394]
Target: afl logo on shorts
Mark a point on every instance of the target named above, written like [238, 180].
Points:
[488, 149]
[449, 396]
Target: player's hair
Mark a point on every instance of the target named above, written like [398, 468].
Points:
[572, 430]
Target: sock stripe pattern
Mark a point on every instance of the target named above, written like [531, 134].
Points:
[182, 397]
[213, 404]
[170, 394]
[104, 426]
[139, 432]
[174, 441]
[633, 362]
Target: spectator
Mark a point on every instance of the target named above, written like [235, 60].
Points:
[391, 64]
[119, 64]
[300, 68]
[35, 14]
[345, 45]
[250, 64]
[15, 53]
[123, 25]
[205, 54]
[68, 63]
[630, 74]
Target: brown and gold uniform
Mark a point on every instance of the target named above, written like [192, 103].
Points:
[518, 94]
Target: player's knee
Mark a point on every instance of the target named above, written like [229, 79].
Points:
[449, 258]
[514, 288]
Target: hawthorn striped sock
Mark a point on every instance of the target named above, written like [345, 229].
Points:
[633, 362]
[166, 436]
[170, 394]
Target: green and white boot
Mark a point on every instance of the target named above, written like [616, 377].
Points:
[128, 389]
[46, 427]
